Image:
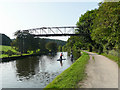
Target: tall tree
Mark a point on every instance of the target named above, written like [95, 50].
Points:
[51, 46]
[60, 48]
[106, 24]
[100, 28]
[25, 41]
[5, 40]
[85, 27]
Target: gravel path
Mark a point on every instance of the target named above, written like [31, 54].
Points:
[101, 73]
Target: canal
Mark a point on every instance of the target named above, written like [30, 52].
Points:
[32, 72]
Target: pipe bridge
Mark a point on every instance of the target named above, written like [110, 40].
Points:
[53, 31]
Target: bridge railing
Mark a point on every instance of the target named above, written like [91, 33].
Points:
[53, 31]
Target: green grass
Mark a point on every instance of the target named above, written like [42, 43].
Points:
[114, 58]
[111, 56]
[6, 48]
[93, 58]
[71, 76]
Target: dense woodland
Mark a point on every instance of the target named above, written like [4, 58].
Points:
[5, 40]
[27, 43]
[100, 28]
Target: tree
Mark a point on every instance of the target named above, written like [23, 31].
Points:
[60, 48]
[85, 27]
[99, 28]
[51, 46]
[5, 40]
[106, 25]
[25, 42]
[42, 43]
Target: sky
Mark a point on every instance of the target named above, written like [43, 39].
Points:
[26, 14]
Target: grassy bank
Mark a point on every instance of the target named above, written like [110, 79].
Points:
[71, 76]
[112, 57]
[115, 58]
[7, 49]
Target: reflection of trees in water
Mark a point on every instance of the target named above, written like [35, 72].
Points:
[42, 64]
[37, 68]
[53, 54]
[30, 66]
[44, 61]
[27, 67]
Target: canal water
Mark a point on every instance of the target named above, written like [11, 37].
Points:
[32, 72]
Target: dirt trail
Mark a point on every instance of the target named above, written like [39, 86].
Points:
[101, 73]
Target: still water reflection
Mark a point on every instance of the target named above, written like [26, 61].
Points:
[32, 72]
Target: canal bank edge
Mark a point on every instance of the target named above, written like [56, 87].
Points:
[6, 59]
[71, 76]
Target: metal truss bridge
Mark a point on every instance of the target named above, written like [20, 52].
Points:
[53, 31]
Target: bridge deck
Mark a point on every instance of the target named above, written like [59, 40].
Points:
[47, 35]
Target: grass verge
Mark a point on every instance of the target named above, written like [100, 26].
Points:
[71, 76]
[93, 58]
[6, 48]
[114, 58]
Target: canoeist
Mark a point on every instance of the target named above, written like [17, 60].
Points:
[71, 57]
[61, 56]
[61, 59]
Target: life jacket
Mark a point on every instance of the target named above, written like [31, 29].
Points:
[61, 54]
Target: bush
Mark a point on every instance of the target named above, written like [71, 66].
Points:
[90, 48]
[10, 53]
[100, 50]
[113, 52]
[76, 52]
[51, 46]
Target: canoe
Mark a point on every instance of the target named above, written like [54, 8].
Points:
[60, 59]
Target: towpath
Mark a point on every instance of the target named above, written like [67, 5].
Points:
[101, 73]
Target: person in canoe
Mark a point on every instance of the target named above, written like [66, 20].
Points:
[61, 56]
[61, 59]
[71, 57]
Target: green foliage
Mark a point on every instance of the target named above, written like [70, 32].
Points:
[51, 46]
[10, 53]
[7, 51]
[100, 29]
[71, 76]
[100, 49]
[76, 53]
[6, 48]
[60, 48]
[64, 48]
[90, 48]
[25, 41]
[85, 26]
[5, 40]
[106, 24]
[59, 42]
[112, 57]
